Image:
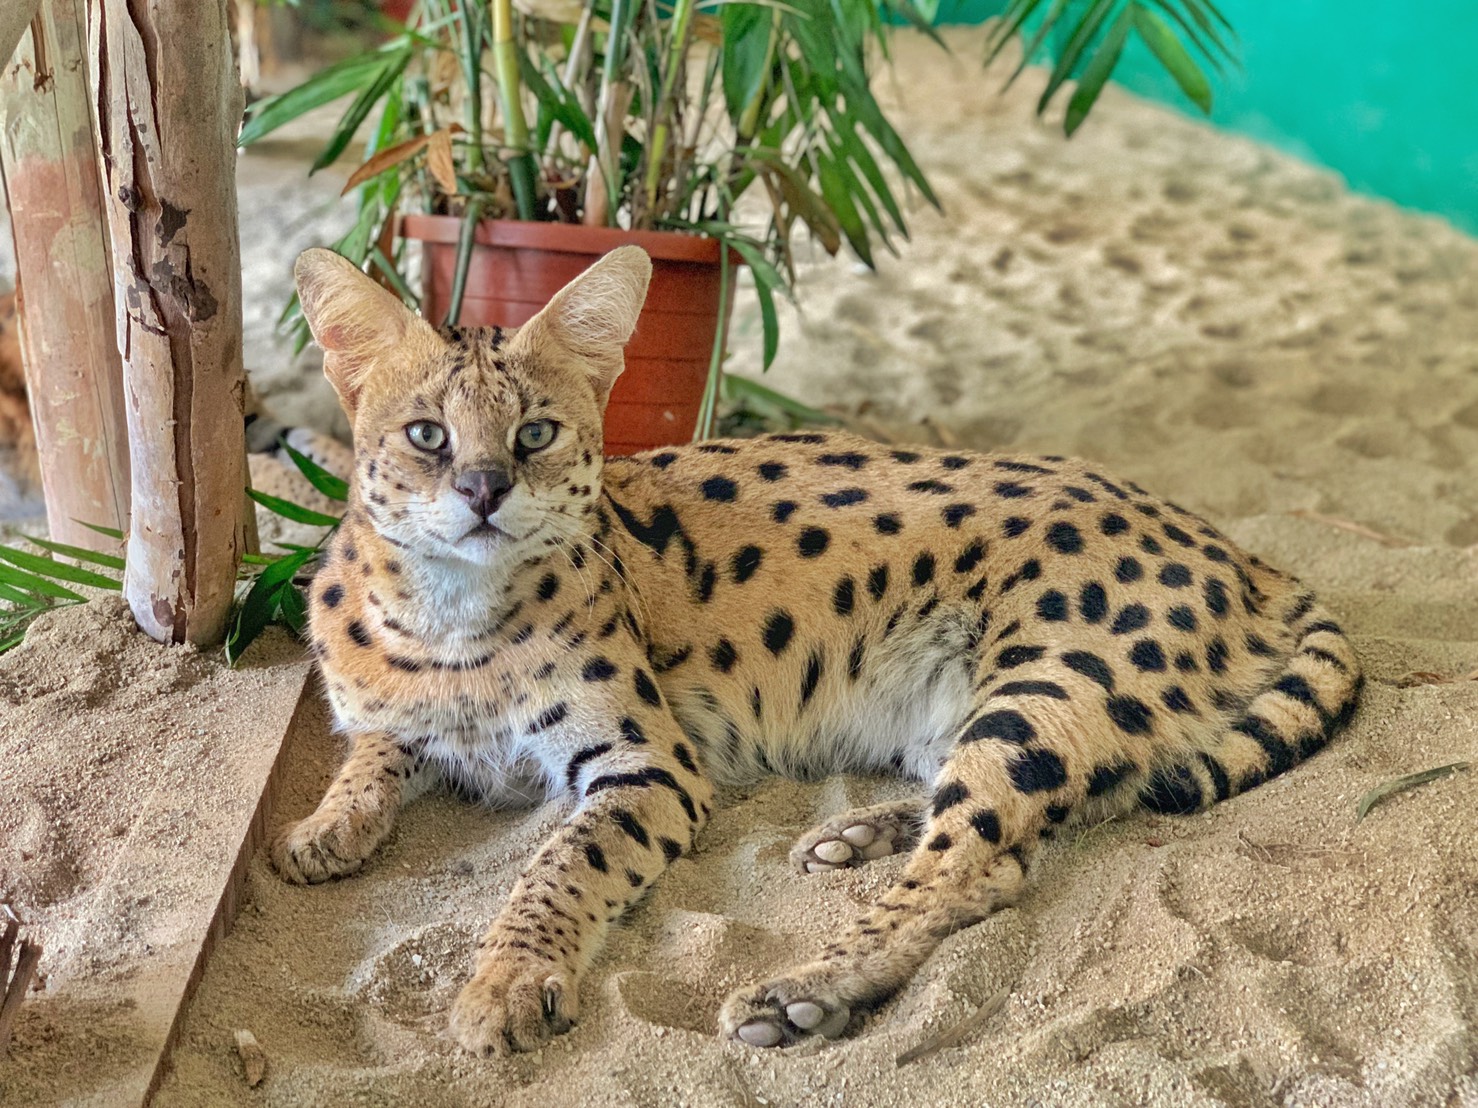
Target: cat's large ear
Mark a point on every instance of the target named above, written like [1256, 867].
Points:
[355, 320]
[594, 316]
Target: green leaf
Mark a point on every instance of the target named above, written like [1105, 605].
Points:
[60, 571]
[359, 110]
[1401, 784]
[746, 54]
[745, 390]
[333, 487]
[1096, 75]
[295, 512]
[324, 87]
[1172, 55]
[82, 554]
[561, 104]
[834, 191]
[16, 596]
[261, 604]
[1077, 43]
[293, 607]
[20, 579]
[111, 532]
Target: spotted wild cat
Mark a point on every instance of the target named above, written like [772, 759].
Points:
[502, 608]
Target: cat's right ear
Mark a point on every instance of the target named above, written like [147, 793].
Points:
[352, 318]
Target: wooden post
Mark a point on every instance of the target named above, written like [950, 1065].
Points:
[168, 105]
[73, 372]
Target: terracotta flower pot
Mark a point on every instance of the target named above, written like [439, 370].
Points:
[518, 266]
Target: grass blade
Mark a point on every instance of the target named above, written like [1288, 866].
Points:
[20, 579]
[82, 554]
[60, 571]
[1173, 56]
[331, 485]
[111, 532]
[1401, 784]
[295, 512]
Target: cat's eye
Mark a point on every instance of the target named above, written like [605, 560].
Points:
[425, 435]
[538, 434]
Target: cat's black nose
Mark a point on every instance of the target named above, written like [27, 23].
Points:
[484, 489]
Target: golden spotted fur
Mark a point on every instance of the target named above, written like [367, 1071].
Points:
[511, 614]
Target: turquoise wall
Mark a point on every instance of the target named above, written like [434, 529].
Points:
[1384, 94]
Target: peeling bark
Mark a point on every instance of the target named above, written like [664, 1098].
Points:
[73, 372]
[167, 103]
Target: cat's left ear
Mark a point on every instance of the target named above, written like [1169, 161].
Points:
[593, 317]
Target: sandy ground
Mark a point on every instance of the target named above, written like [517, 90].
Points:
[1229, 328]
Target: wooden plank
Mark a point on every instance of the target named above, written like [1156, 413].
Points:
[65, 288]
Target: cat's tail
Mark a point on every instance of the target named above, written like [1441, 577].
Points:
[1305, 704]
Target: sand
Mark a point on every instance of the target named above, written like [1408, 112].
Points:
[1222, 324]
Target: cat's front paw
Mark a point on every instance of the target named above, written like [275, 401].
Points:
[786, 1010]
[514, 1004]
[320, 847]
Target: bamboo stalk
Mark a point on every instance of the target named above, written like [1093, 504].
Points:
[522, 172]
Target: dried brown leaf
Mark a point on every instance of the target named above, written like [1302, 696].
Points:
[1427, 677]
[439, 161]
[1401, 784]
[394, 155]
[953, 1036]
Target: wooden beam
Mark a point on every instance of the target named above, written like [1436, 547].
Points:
[73, 372]
[168, 106]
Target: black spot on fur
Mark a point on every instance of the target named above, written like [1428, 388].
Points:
[1091, 666]
[948, 796]
[1105, 779]
[663, 460]
[1176, 535]
[970, 557]
[813, 541]
[887, 524]
[548, 586]
[1146, 655]
[849, 460]
[550, 717]
[1037, 770]
[1032, 688]
[1218, 773]
[1015, 526]
[907, 457]
[812, 678]
[782, 510]
[854, 660]
[1093, 602]
[576, 763]
[1010, 490]
[877, 582]
[779, 627]
[1182, 618]
[1130, 714]
[1259, 645]
[940, 842]
[596, 857]
[844, 596]
[1176, 700]
[955, 514]
[1019, 467]
[1128, 570]
[1014, 656]
[632, 731]
[987, 825]
[772, 471]
[1065, 538]
[923, 570]
[647, 689]
[1113, 524]
[1175, 576]
[684, 757]
[1148, 544]
[844, 497]
[670, 849]
[332, 595]
[723, 656]
[358, 633]
[719, 488]
[1005, 724]
[1172, 791]
[1052, 606]
[937, 487]
[1030, 570]
[633, 828]
[745, 562]
[1216, 655]
[598, 669]
[1131, 617]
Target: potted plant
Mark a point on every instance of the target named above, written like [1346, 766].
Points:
[516, 145]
